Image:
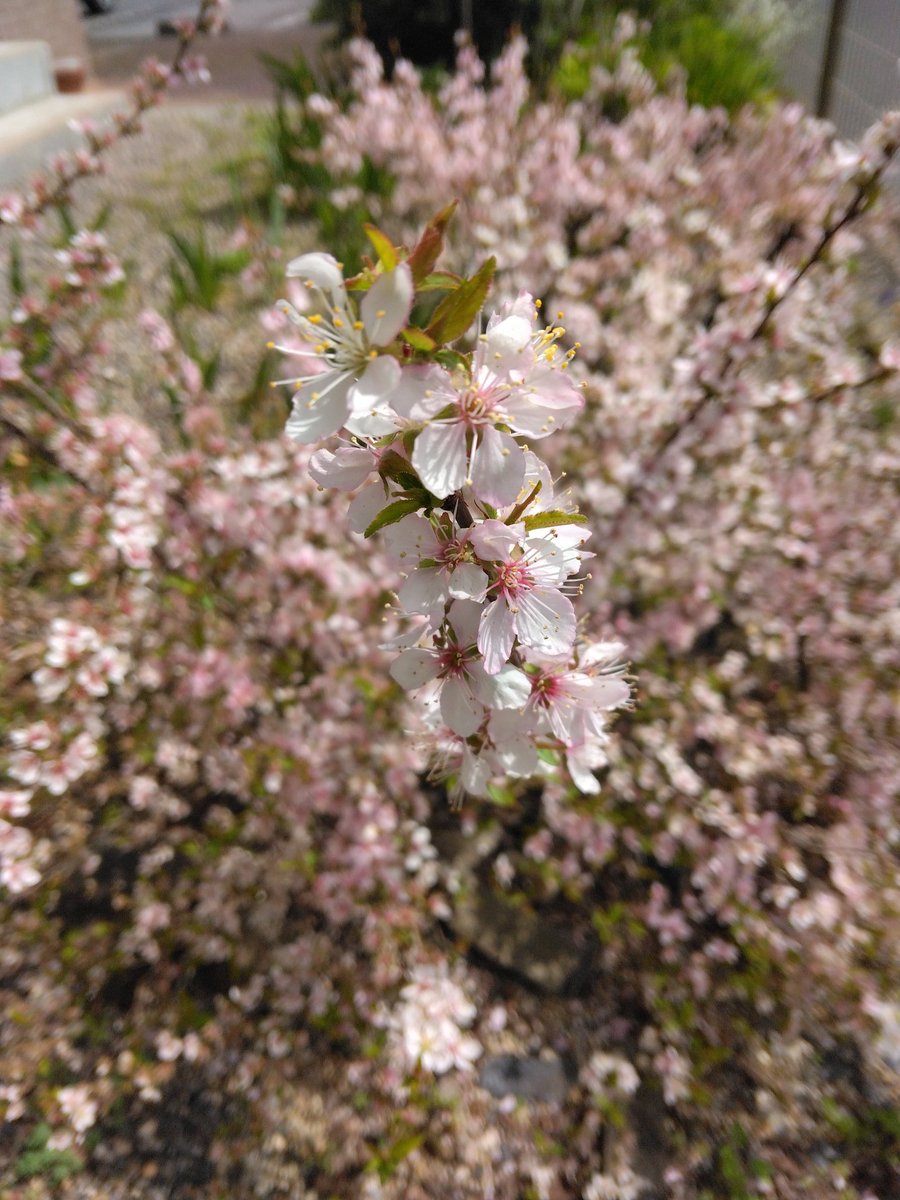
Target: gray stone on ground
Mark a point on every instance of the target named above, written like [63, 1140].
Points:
[537, 1080]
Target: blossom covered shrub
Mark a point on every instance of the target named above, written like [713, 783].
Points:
[249, 949]
[740, 479]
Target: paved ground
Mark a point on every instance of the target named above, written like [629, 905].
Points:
[122, 40]
[139, 18]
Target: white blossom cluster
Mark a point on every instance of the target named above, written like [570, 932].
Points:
[435, 444]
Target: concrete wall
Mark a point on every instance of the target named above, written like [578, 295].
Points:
[865, 80]
[57, 22]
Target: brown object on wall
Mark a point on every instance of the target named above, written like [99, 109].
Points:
[69, 74]
[57, 22]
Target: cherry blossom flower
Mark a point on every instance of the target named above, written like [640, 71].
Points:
[572, 703]
[514, 388]
[351, 375]
[430, 1020]
[526, 577]
[465, 687]
[444, 558]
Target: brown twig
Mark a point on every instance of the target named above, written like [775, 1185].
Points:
[636, 489]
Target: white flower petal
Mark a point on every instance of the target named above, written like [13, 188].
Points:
[380, 378]
[459, 708]
[414, 668]
[508, 338]
[439, 457]
[498, 468]
[496, 635]
[465, 616]
[475, 773]
[409, 540]
[601, 652]
[345, 470]
[386, 305]
[547, 562]
[319, 411]
[320, 271]
[421, 388]
[546, 620]
[365, 507]
[606, 692]
[582, 761]
[422, 590]
[511, 735]
[468, 582]
[509, 688]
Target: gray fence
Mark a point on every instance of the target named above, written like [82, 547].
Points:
[845, 62]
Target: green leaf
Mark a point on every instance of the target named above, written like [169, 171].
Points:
[418, 339]
[456, 312]
[393, 466]
[545, 520]
[439, 281]
[503, 796]
[209, 370]
[392, 514]
[67, 221]
[384, 247]
[101, 220]
[16, 270]
[451, 359]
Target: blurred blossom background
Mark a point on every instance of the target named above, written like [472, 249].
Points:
[251, 948]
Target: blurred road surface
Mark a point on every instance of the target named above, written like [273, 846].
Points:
[139, 18]
[121, 40]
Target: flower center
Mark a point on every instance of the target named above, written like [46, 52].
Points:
[545, 689]
[514, 578]
[453, 661]
[454, 552]
[479, 402]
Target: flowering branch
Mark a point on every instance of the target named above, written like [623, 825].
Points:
[436, 439]
[868, 177]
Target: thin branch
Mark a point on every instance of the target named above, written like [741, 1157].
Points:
[636, 489]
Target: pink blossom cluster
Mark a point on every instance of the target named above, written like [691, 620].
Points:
[227, 880]
[736, 470]
[430, 1019]
[437, 454]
